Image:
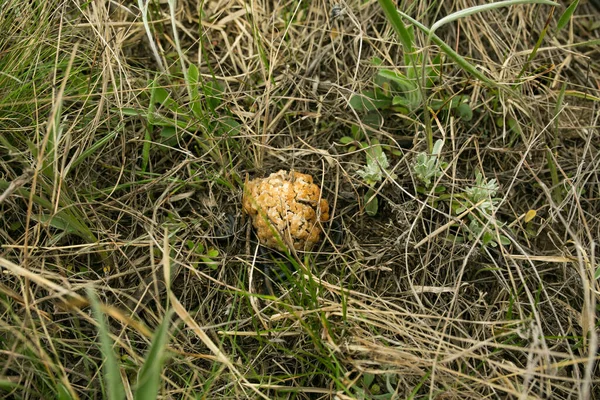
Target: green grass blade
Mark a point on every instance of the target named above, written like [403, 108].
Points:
[564, 19]
[112, 374]
[537, 46]
[62, 393]
[143, 6]
[93, 148]
[146, 149]
[149, 380]
[457, 58]
[485, 7]
[193, 80]
[9, 385]
[392, 15]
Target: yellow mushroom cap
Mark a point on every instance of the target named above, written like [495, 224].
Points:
[286, 208]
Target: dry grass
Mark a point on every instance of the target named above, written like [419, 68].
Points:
[104, 185]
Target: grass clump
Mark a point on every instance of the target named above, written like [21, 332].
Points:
[456, 144]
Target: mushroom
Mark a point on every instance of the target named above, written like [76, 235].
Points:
[286, 209]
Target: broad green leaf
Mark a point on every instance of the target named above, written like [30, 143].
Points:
[371, 203]
[372, 120]
[160, 95]
[69, 222]
[437, 147]
[369, 100]
[401, 101]
[488, 238]
[168, 135]
[212, 253]
[229, 127]
[464, 111]
[212, 264]
[131, 112]
[213, 94]
[110, 367]
[564, 19]
[376, 61]
[403, 83]
[193, 76]
[368, 379]
[57, 221]
[356, 132]
[63, 393]
[514, 126]
[8, 385]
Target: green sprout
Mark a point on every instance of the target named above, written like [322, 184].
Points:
[374, 172]
[482, 194]
[428, 167]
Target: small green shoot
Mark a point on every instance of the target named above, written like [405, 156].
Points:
[111, 371]
[377, 164]
[149, 377]
[428, 167]
[376, 387]
[207, 257]
[482, 195]
[397, 92]
[566, 17]
[374, 172]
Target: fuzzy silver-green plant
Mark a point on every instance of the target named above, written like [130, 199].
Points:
[483, 191]
[427, 167]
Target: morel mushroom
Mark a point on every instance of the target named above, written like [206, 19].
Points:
[286, 208]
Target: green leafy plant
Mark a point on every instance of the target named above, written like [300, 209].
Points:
[398, 92]
[481, 196]
[416, 60]
[207, 256]
[373, 172]
[149, 375]
[428, 167]
[200, 116]
[395, 16]
[358, 140]
[376, 387]
[477, 230]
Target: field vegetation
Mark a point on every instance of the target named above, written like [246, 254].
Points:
[458, 147]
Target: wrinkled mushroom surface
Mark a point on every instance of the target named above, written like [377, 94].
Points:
[286, 208]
